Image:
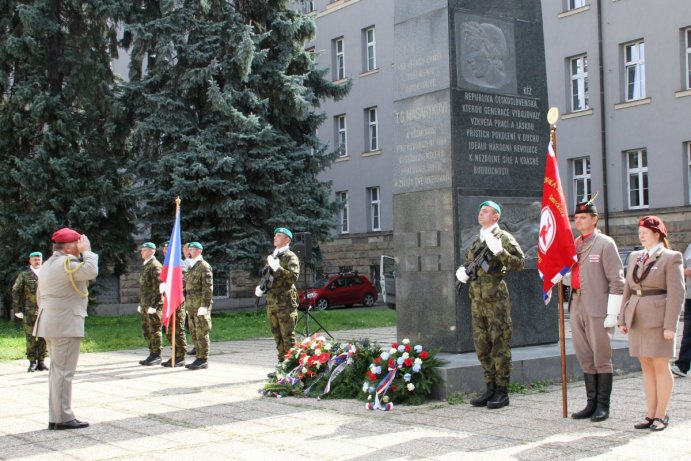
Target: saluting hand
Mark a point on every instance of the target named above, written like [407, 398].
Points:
[83, 244]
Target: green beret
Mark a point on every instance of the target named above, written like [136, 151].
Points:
[490, 204]
[166, 243]
[196, 245]
[284, 230]
[148, 245]
[36, 254]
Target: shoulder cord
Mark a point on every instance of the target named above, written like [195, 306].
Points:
[69, 271]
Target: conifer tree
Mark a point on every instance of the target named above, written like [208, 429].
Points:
[63, 130]
[225, 99]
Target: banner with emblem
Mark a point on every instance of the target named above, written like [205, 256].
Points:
[556, 248]
[171, 273]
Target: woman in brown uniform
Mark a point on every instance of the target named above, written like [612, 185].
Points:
[653, 297]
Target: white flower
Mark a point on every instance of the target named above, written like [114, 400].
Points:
[365, 387]
[304, 370]
[377, 370]
[405, 355]
[418, 361]
[407, 377]
[416, 367]
[317, 351]
[384, 356]
[399, 360]
[372, 366]
[405, 341]
[327, 347]
[305, 359]
[320, 338]
[369, 397]
[418, 348]
[371, 390]
[401, 348]
[306, 341]
[385, 399]
[393, 350]
[411, 387]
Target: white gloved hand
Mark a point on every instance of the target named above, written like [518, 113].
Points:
[493, 243]
[202, 311]
[613, 307]
[151, 310]
[139, 309]
[19, 315]
[274, 263]
[461, 275]
[258, 292]
[162, 287]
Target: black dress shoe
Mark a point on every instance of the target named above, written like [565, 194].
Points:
[152, 360]
[198, 364]
[32, 366]
[74, 424]
[41, 366]
[178, 363]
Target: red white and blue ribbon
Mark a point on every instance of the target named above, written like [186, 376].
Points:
[382, 388]
[339, 361]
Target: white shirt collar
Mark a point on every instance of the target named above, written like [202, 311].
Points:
[36, 271]
[281, 250]
[484, 232]
[144, 263]
[194, 261]
[654, 249]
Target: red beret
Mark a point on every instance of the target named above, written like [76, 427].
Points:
[654, 224]
[65, 235]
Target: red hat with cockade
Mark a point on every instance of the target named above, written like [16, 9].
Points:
[65, 235]
[653, 223]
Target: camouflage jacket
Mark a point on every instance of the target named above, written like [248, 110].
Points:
[24, 292]
[199, 285]
[284, 277]
[511, 258]
[149, 294]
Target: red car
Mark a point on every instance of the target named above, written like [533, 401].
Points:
[340, 289]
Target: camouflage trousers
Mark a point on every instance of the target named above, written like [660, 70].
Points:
[180, 339]
[282, 321]
[200, 326]
[151, 329]
[492, 329]
[35, 346]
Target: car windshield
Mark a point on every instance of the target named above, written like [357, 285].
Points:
[320, 283]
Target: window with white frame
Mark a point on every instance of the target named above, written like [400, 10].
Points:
[342, 200]
[342, 135]
[637, 184]
[307, 6]
[339, 53]
[634, 70]
[579, 83]
[371, 49]
[372, 129]
[581, 180]
[375, 208]
[573, 4]
[687, 43]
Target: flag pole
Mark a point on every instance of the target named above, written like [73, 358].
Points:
[172, 332]
[552, 117]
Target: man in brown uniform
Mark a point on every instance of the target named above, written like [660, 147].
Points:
[597, 284]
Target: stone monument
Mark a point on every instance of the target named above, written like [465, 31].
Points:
[470, 105]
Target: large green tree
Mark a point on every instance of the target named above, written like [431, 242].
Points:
[63, 129]
[225, 98]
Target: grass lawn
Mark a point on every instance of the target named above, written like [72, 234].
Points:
[124, 332]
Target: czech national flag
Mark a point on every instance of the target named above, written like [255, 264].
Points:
[171, 274]
[556, 249]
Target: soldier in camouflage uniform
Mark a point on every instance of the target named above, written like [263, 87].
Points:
[490, 303]
[26, 309]
[199, 288]
[282, 296]
[150, 302]
[180, 339]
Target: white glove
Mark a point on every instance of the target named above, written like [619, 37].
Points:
[202, 311]
[493, 243]
[151, 310]
[139, 309]
[19, 315]
[461, 275]
[274, 263]
[258, 292]
[613, 306]
[162, 287]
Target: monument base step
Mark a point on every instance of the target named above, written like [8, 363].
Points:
[463, 373]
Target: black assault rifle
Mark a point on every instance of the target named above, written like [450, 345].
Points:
[481, 259]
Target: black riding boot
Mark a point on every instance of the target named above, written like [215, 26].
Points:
[604, 391]
[591, 393]
[484, 398]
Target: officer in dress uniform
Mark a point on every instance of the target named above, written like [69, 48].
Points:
[150, 302]
[490, 303]
[199, 288]
[63, 297]
[597, 284]
[281, 294]
[26, 309]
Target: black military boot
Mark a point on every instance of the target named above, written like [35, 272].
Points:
[500, 398]
[198, 364]
[32, 366]
[604, 391]
[153, 359]
[591, 394]
[484, 398]
[41, 366]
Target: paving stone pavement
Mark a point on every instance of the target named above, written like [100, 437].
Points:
[155, 413]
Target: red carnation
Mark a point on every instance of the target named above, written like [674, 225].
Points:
[371, 376]
[395, 345]
[408, 362]
[377, 360]
[391, 363]
[407, 348]
[424, 355]
[393, 388]
[324, 357]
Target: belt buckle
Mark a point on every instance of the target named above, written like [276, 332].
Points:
[639, 292]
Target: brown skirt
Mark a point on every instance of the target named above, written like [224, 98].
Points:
[650, 342]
